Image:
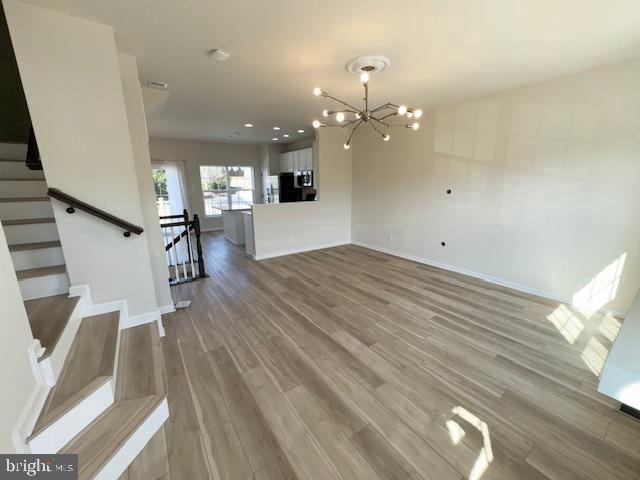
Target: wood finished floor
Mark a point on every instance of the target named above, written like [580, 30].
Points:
[348, 363]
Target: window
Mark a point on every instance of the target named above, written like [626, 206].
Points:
[161, 191]
[226, 188]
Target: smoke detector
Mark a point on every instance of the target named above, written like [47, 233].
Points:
[219, 54]
[367, 63]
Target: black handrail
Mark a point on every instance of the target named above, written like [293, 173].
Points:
[74, 203]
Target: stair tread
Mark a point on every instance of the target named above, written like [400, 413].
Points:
[18, 247]
[48, 318]
[40, 272]
[139, 390]
[28, 221]
[24, 199]
[16, 160]
[88, 366]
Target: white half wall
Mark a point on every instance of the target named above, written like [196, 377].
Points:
[140, 144]
[195, 153]
[544, 186]
[71, 78]
[283, 228]
[16, 376]
[620, 377]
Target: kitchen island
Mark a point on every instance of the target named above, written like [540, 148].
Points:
[233, 225]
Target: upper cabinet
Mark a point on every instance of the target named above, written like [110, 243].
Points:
[286, 162]
[297, 160]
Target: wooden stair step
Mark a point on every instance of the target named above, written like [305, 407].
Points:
[24, 199]
[48, 318]
[140, 389]
[40, 272]
[89, 365]
[28, 221]
[20, 247]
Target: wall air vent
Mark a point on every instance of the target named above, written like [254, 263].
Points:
[157, 84]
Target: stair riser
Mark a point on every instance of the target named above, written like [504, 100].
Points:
[17, 170]
[45, 257]
[30, 188]
[40, 287]
[14, 151]
[18, 210]
[60, 432]
[38, 232]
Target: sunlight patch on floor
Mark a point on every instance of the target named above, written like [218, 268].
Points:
[594, 355]
[485, 457]
[567, 323]
[610, 327]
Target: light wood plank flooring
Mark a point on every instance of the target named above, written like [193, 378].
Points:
[346, 363]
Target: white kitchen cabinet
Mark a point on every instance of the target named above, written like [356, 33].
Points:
[297, 160]
[286, 162]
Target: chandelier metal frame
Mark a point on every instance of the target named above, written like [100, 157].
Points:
[379, 117]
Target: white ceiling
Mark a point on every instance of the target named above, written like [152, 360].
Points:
[440, 50]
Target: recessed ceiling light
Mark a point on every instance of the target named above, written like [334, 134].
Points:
[286, 135]
[275, 139]
[300, 131]
[276, 128]
[219, 54]
[248, 125]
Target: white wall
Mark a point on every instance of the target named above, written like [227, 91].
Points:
[196, 153]
[294, 227]
[620, 376]
[71, 77]
[16, 377]
[140, 144]
[545, 182]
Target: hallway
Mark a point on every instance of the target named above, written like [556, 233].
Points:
[348, 363]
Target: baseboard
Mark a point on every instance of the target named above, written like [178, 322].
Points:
[126, 320]
[219, 229]
[166, 309]
[29, 416]
[481, 276]
[282, 253]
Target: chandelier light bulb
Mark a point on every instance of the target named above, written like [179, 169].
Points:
[358, 116]
[325, 113]
[402, 109]
[317, 91]
[364, 77]
[316, 124]
[417, 113]
[415, 125]
[340, 117]
[409, 114]
[386, 137]
[346, 146]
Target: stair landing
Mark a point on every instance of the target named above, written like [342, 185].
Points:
[48, 318]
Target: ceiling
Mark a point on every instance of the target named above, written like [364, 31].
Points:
[440, 51]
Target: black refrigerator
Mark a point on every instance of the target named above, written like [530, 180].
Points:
[288, 190]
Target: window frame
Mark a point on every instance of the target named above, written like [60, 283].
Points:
[228, 190]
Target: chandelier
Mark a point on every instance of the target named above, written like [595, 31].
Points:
[380, 118]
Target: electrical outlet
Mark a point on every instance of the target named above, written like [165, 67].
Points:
[583, 280]
[390, 238]
[292, 238]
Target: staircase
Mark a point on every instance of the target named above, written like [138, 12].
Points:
[106, 396]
